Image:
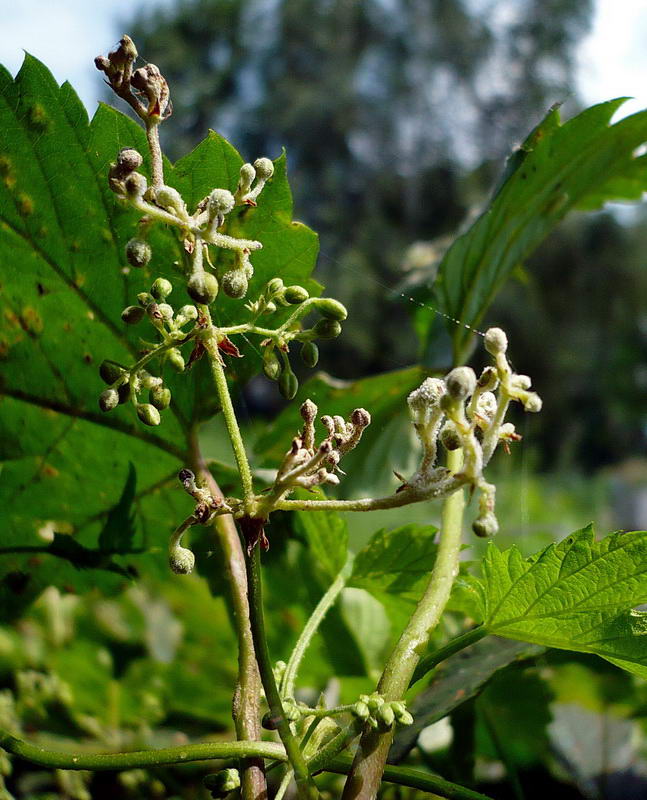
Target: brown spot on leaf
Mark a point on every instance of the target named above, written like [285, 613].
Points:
[87, 358]
[49, 471]
[31, 321]
[24, 204]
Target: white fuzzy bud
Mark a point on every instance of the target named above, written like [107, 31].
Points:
[264, 168]
[426, 396]
[496, 341]
[181, 560]
[461, 383]
[486, 405]
[532, 402]
[221, 201]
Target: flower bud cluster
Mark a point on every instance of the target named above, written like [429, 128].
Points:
[253, 178]
[306, 464]
[462, 411]
[378, 713]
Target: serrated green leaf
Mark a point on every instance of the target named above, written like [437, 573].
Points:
[118, 531]
[326, 535]
[582, 163]
[577, 595]
[396, 564]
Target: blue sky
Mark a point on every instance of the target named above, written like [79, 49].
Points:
[66, 35]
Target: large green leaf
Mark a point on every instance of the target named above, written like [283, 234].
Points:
[64, 284]
[582, 163]
[577, 595]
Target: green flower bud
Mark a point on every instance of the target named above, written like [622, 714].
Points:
[129, 160]
[273, 287]
[532, 402]
[295, 295]
[168, 197]
[288, 384]
[332, 309]
[181, 560]
[136, 184]
[148, 414]
[309, 354]
[271, 364]
[132, 315]
[138, 253]
[385, 716]
[160, 397]
[496, 341]
[110, 371]
[264, 168]
[166, 311]
[460, 383]
[270, 308]
[360, 710]
[327, 329]
[175, 359]
[223, 782]
[108, 399]
[375, 701]
[486, 525]
[145, 299]
[161, 289]
[234, 284]
[202, 287]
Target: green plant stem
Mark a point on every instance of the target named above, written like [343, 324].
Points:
[218, 372]
[306, 787]
[366, 773]
[311, 626]
[404, 776]
[246, 705]
[207, 751]
[459, 643]
[204, 751]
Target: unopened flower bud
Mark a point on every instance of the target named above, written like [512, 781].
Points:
[175, 359]
[486, 525]
[532, 402]
[330, 308]
[181, 560]
[145, 299]
[309, 354]
[360, 418]
[385, 715]
[270, 308]
[220, 784]
[496, 341]
[169, 198]
[288, 384]
[295, 295]
[138, 253]
[264, 168]
[186, 314]
[161, 289]
[136, 184]
[110, 371]
[108, 399]
[131, 315]
[486, 405]
[521, 381]
[160, 397]
[360, 710]
[271, 364]
[327, 329]
[273, 287]
[202, 287]
[460, 383]
[166, 311]
[425, 396]
[221, 201]
[449, 437]
[234, 284]
[129, 159]
[488, 379]
[247, 175]
[148, 414]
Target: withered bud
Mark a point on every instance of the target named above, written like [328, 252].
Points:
[360, 418]
[308, 411]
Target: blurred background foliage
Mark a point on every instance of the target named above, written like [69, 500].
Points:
[396, 116]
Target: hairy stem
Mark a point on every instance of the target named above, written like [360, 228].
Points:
[454, 646]
[306, 787]
[246, 706]
[366, 773]
[238, 446]
[157, 165]
[289, 677]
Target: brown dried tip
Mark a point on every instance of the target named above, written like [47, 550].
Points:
[360, 418]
